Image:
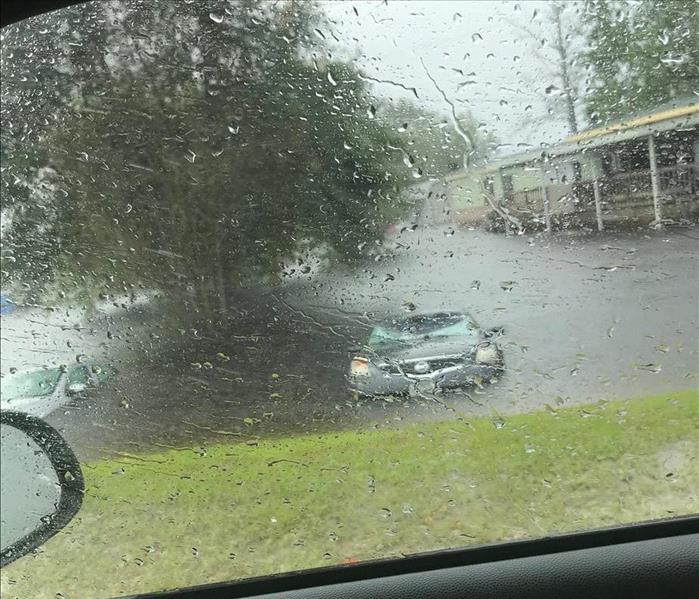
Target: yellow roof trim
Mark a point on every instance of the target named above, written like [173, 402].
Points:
[648, 119]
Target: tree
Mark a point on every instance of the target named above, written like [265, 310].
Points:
[430, 145]
[639, 55]
[195, 146]
[560, 64]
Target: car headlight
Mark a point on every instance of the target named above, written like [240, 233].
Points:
[487, 353]
[359, 366]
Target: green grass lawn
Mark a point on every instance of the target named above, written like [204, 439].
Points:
[189, 517]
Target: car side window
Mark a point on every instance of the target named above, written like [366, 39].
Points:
[78, 375]
[30, 384]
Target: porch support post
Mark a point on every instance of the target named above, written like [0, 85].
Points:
[500, 187]
[598, 204]
[654, 181]
[596, 174]
[545, 198]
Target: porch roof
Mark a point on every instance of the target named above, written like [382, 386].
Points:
[683, 117]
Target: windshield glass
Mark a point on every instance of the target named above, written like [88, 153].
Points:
[341, 281]
[423, 327]
[29, 384]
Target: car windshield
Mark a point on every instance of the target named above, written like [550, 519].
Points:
[345, 281]
[410, 330]
[37, 383]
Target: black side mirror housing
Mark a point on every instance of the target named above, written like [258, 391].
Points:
[42, 484]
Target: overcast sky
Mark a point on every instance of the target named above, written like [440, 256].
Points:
[475, 51]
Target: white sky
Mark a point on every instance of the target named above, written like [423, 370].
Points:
[503, 64]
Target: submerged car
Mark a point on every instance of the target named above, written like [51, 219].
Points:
[40, 392]
[424, 353]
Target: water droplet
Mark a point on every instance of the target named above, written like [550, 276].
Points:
[371, 112]
[529, 448]
[234, 129]
[475, 285]
[654, 368]
[403, 128]
[216, 18]
[190, 156]
[195, 552]
[670, 59]
[476, 37]
[332, 536]
[507, 285]
[331, 80]
[384, 512]
[407, 508]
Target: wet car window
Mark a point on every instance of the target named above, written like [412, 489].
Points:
[27, 384]
[413, 329]
[341, 281]
[78, 375]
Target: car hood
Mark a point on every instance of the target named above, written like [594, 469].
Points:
[425, 348]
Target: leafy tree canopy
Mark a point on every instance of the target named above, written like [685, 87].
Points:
[186, 144]
[640, 55]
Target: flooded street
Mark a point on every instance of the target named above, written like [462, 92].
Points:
[586, 318]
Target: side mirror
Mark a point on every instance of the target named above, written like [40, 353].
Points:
[494, 332]
[75, 388]
[41, 486]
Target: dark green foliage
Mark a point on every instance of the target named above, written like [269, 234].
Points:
[184, 151]
[640, 55]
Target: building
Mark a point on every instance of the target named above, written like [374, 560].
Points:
[642, 170]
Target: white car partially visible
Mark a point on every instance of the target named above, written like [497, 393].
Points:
[41, 391]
